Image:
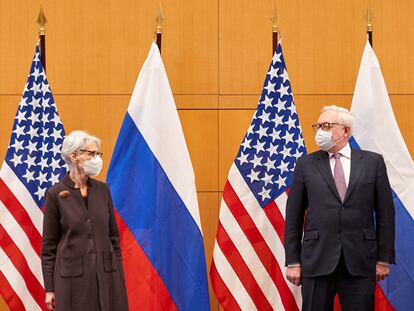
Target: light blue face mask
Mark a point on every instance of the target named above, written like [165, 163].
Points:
[324, 140]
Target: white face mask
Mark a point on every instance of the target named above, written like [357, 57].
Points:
[93, 166]
[324, 140]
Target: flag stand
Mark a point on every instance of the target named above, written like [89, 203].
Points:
[41, 20]
[275, 30]
[158, 32]
[369, 25]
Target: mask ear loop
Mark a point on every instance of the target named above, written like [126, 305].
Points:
[346, 132]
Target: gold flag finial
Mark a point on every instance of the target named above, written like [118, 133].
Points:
[369, 17]
[41, 20]
[159, 19]
[274, 18]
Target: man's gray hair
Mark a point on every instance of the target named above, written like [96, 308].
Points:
[344, 115]
[76, 141]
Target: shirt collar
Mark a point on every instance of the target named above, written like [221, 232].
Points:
[345, 152]
[69, 182]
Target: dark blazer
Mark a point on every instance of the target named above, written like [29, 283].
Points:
[81, 256]
[363, 226]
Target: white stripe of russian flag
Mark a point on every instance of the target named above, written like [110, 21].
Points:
[156, 110]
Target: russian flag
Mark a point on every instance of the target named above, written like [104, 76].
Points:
[376, 129]
[153, 187]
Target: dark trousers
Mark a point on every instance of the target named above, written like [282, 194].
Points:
[355, 293]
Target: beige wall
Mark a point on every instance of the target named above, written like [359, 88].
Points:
[216, 54]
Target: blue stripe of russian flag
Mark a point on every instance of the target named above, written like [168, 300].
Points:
[158, 218]
[398, 287]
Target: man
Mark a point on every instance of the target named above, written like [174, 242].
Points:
[341, 202]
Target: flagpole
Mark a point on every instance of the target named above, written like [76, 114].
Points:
[41, 20]
[369, 25]
[275, 30]
[158, 32]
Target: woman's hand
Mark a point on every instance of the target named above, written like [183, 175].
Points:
[50, 301]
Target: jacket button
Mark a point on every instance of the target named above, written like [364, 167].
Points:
[90, 236]
[88, 220]
[342, 208]
[92, 251]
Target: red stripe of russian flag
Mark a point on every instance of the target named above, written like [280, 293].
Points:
[145, 288]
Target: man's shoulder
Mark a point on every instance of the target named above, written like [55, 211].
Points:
[319, 154]
[323, 154]
[367, 154]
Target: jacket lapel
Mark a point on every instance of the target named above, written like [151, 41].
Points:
[325, 170]
[356, 168]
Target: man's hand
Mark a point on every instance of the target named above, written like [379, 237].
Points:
[382, 271]
[50, 301]
[294, 275]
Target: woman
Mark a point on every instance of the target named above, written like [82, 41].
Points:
[81, 256]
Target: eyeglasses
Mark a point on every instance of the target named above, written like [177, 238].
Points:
[326, 126]
[92, 153]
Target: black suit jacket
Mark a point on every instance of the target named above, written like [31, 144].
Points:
[362, 226]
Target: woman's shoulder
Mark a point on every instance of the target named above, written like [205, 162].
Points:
[100, 185]
[59, 186]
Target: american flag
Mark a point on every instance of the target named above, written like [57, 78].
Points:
[247, 271]
[32, 164]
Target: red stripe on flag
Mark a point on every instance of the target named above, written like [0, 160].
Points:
[20, 263]
[9, 295]
[145, 288]
[21, 216]
[272, 212]
[242, 270]
[381, 301]
[223, 294]
[260, 246]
